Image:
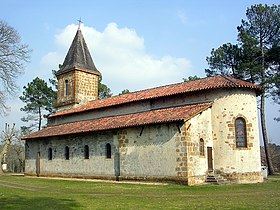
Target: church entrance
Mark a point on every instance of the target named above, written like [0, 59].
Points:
[38, 164]
[210, 159]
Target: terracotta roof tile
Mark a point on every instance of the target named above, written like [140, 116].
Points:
[179, 113]
[207, 83]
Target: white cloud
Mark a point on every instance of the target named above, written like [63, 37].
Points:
[119, 54]
[52, 58]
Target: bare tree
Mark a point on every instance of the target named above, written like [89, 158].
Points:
[275, 156]
[13, 55]
[6, 136]
[16, 153]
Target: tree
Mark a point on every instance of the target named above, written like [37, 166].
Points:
[275, 156]
[53, 80]
[224, 60]
[39, 99]
[103, 90]
[276, 95]
[125, 91]
[12, 149]
[257, 36]
[6, 136]
[274, 59]
[13, 55]
[191, 78]
[16, 153]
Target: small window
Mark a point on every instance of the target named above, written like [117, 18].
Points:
[50, 153]
[240, 132]
[108, 151]
[66, 88]
[67, 153]
[201, 147]
[86, 152]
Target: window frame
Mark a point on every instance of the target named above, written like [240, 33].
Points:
[66, 87]
[67, 153]
[108, 151]
[50, 154]
[240, 133]
[201, 147]
[86, 152]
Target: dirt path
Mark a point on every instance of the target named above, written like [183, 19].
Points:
[99, 180]
[20, 186]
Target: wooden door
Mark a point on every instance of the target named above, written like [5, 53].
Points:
[210, 159]
[38, 164]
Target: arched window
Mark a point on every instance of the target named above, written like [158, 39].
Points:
[66, 87]
[50, 153]
[86, 152]
[108, 151]
[240, 132]
[201, 147]
[66, 153]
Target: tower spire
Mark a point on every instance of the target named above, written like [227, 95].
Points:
[77, 76]
[78, 55]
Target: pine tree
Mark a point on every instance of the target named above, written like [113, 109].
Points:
[39, 99]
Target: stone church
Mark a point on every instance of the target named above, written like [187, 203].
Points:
[180, 133]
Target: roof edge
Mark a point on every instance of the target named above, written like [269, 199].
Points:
[59, 72]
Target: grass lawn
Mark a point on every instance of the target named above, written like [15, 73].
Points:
[38, 193]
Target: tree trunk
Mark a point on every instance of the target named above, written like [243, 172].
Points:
[265, 138]
[263, 125]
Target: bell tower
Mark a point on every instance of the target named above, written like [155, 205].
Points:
[77, 76]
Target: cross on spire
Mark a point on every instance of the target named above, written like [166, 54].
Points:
[80, 21]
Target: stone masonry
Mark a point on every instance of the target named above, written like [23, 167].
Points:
[82, 88]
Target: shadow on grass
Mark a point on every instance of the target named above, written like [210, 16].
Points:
[40, 203]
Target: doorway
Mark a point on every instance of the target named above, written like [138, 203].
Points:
[210, 159]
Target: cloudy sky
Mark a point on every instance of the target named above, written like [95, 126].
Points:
[135, 44]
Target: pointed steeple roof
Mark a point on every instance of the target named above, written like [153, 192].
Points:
[78, 56]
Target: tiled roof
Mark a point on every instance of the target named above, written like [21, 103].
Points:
[207, 83]
[173, 114]
[78, 56]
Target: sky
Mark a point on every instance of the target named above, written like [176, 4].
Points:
[135, 44]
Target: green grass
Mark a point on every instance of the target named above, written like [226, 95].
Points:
[277, 176]
[36, 193]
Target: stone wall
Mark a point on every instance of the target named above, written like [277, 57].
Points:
[228, 158]
[87, 86]
[148, 151]
[97, 164]
[166, 152]
[62, 98]
[198, 128]
[82, 88]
